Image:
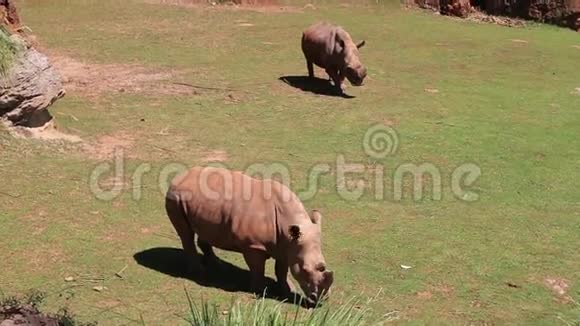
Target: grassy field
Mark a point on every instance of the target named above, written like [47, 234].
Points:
[456, 92]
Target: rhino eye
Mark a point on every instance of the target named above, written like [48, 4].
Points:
[321, 267]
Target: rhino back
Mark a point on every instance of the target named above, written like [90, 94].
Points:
[230, 210]
[318, 44]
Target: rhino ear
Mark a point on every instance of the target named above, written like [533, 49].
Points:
[361, 44]
[295, 232]
[316, 217]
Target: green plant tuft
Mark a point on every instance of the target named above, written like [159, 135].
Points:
[261, 312]
[8, 51]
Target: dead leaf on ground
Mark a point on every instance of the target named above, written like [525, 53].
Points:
[432, 90]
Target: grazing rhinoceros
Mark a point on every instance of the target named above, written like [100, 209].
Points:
[259, 218]
[331, 48]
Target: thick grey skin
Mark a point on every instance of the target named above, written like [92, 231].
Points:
[331, 48]
[258, 218]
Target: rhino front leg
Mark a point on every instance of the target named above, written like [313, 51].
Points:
[284, 284]
[256, 261]
[337, 78]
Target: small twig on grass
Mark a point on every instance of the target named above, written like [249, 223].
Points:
[10, 195]
[226, 89]
[163, 148]
[440, 123]
[119, 274]
[70, 115]
[391, 316]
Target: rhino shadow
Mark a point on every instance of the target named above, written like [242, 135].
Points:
[314, 85]
[227, 277]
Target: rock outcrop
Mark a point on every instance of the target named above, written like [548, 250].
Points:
[31, 84]
[29, 88]
[558, 12]
[458, 8]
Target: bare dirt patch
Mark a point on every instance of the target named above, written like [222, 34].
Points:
[263, 6]
[214, 156]
[559, 287]
[93, 79]
[390, 122]
[108, 145]
[47, 132]
[445, 290]
[424, 295]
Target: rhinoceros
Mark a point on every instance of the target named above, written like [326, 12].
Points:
[330, 47]
[260, 219]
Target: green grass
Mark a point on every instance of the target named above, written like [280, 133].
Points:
[261, 312]
[8, 50]
[508, 107]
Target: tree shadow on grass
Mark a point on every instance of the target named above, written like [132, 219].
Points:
[227, 277]
[314, 85]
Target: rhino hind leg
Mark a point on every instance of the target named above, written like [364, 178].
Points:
[209, 256]
[206, 248]
[186, 235]
[310, 67]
